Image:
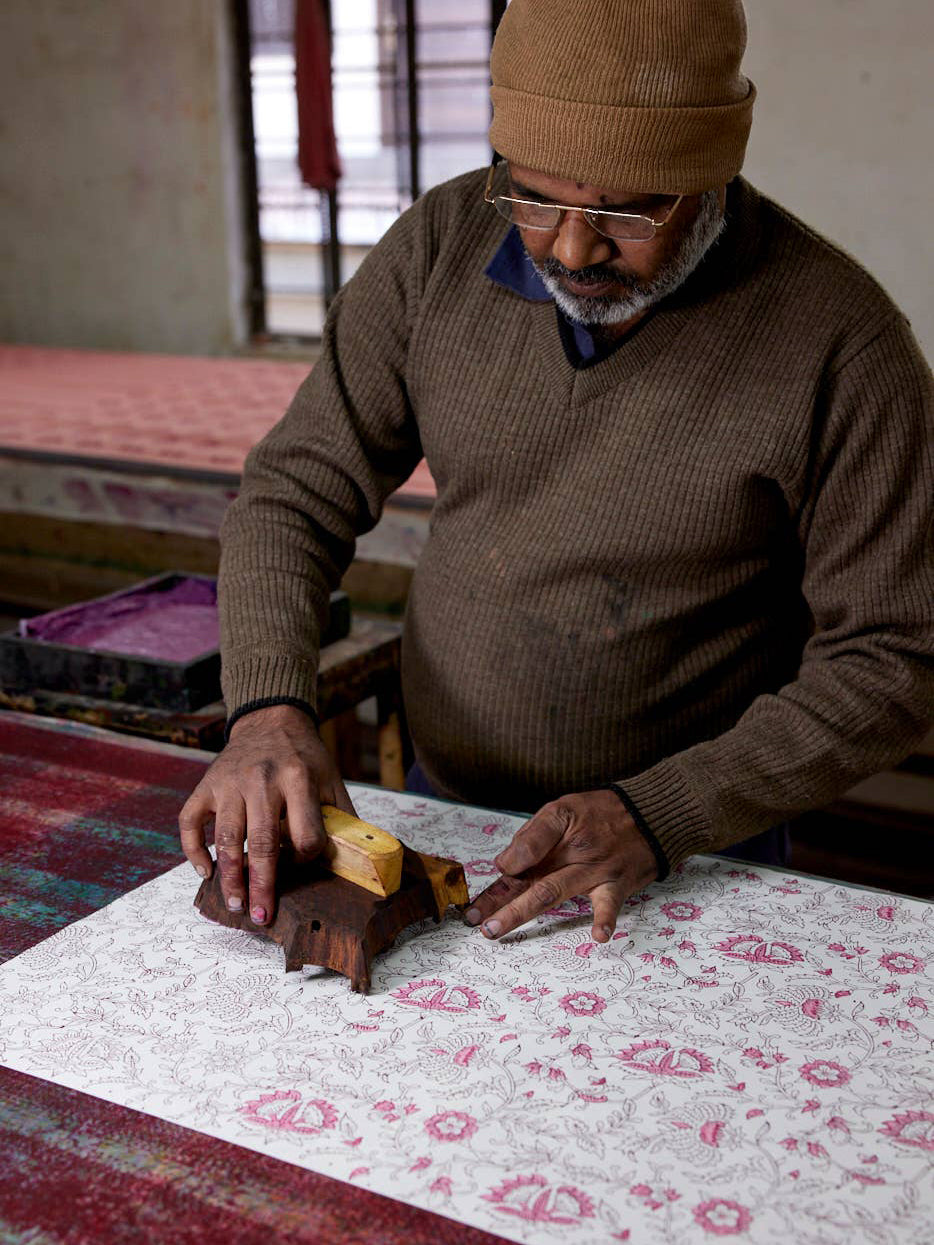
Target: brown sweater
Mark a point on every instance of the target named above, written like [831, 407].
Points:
[701, 568]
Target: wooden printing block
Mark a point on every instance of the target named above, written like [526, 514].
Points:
[326, 920]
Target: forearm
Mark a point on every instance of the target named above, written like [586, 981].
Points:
[317, 481]
[791, 752]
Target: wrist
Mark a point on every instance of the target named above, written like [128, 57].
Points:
[661, 860]
[284, 711]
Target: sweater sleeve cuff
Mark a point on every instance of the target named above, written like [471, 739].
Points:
[267, 703]
[661, 860]
[669, 810]
[271, 677]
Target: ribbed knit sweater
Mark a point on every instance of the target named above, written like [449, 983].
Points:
[700, 568]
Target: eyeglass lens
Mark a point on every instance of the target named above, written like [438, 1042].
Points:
[531, 215]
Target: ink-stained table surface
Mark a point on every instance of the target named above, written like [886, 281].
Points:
[749, 1057]
[362, 664]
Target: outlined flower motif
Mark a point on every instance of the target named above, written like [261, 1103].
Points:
[451, 1126]
[756, 950]
[286, 1111]
[441, 1186]
[721, 1217]
[698, 1133]
[536, 1200]
[901, 962]
[481, 868]
[433, 994]
[658, 1057]
[803, 1009]
[583, 1003]
[681, 910]
[911, 1128]
[825, 1074]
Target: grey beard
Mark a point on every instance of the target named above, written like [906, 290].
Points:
[635, 296]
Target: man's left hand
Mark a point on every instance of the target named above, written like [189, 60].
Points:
[584, 844]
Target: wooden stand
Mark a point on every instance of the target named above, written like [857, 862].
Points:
[325, 920]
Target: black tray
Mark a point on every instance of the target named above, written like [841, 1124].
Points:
[27, 662]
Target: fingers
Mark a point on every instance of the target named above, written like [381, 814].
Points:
[304, 825]
[537, 896]
[607, 899]
[533, 841]
[229, 833]
[340, 799]
[493, 898]
[198, 809]
[263, 806]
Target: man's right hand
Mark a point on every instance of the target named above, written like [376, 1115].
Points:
[274, 764]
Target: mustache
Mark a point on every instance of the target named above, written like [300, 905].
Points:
[593, 274]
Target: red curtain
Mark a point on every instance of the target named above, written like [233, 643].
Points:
[317, 146]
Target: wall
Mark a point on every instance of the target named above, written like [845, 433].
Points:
[120, 212]
[843, 132]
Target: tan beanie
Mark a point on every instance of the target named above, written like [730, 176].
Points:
[642, 95]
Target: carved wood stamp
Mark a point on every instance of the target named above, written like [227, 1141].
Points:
[326, 920]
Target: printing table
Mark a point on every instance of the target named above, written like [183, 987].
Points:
[748, 1057]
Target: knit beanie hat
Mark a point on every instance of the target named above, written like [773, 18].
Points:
[641, 95]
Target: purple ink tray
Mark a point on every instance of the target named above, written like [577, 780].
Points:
[154, 643]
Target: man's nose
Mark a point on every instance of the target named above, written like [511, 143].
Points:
[578, 245]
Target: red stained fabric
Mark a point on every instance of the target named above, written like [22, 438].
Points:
[317, 146]
[77, 1170]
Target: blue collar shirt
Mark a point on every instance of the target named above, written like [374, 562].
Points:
[511, 268]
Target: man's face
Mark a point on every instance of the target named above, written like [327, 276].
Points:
[605, 281]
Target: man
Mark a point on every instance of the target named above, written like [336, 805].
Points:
[678, 583]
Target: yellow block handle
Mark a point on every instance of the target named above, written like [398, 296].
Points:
[362, 853]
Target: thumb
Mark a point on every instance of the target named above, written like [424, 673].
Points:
[607, 899]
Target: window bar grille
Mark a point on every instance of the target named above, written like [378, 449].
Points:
[330, 233]
[256, 284]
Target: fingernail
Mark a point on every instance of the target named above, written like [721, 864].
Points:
[472, 916]
[492, 928]
[200, 869]
[235, 903]
[258, 915]
[608, 930]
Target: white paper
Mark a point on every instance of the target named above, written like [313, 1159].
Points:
[750, 1056]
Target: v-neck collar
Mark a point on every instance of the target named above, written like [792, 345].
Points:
[722, 269]
[512, 268]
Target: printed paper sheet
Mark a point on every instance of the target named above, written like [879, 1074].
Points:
[749, 1057]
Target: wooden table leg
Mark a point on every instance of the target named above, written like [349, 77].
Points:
[391, 752]
[327, 732]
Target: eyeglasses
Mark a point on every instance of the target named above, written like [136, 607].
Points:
[530, 214]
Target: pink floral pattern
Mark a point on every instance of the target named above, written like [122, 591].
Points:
[534, 1199]
[582, 1003]
[743, 1059]
[721, 1217]
[451, 1126]
[913, 1128]
[825, 1073]
[287, 1110]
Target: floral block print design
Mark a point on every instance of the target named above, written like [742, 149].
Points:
[747, 1058]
